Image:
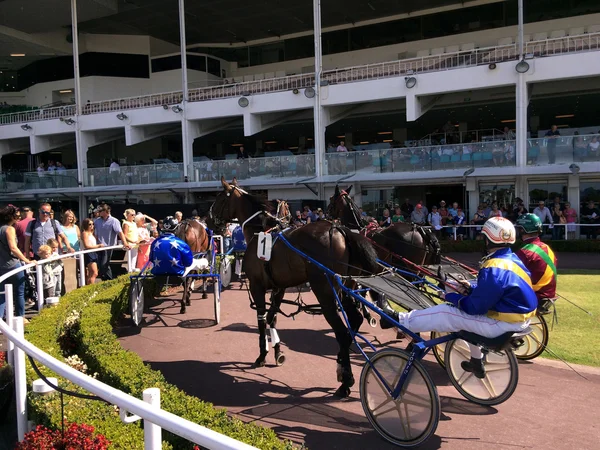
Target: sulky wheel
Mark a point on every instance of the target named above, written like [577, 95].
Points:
[136, 301]
[440, 349]
[217, 297]
[501, 377]
[535, 342]
[413, 417]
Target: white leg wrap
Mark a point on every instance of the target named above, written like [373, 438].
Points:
[274, 336]
[475, 352]
[266, 344]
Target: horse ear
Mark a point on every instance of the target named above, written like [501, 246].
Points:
[225, 184]
[234, 181]
[337, 190]
[349, 189]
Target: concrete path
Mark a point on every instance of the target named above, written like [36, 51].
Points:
[553, 408]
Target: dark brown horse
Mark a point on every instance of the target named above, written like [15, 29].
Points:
[334, 246]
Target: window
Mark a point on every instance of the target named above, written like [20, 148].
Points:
[267, 54]
[589, 190]
[196, 62]
[546, 192]
[504, 194]
[113, 65]
[166, 63]
[214, 66]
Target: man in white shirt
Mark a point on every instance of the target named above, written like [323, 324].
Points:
[342, 147]
[544, 214]
[114, 171]
[435, 220]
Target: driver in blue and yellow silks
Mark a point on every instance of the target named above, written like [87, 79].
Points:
[169, 255]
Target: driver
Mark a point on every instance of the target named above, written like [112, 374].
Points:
[499, 301]
[539, 259]
[169, 255]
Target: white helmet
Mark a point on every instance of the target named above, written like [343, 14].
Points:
[499, 231]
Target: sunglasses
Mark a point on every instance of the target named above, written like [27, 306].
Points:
[45, 212]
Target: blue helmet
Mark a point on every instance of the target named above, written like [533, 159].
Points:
[238, 240]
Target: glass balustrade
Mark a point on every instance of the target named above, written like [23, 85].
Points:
[415, 159]
[563, 149]
[26, 181]
[131, 175]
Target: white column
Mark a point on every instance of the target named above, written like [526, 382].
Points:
[318, 110]
[152, 432]
[79, 151]
[522, 100]
[20, 381]
[187, 144]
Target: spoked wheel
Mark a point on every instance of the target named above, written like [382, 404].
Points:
[136, 302]
[413, 417]
[439, 350]
[535, 342]
[217, 296]
[501, 374]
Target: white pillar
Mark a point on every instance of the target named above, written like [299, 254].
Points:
[152, 432]
[522, 100]
[187, 144]
[318, 110]
[20, 381]
[81, 153]
[10, 314]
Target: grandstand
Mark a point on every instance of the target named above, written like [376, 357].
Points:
[438, 100]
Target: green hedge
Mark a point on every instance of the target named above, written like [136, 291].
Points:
[574, 246]
[95, 343]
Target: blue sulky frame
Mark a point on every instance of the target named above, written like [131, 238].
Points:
[420, 346]
[211, 274]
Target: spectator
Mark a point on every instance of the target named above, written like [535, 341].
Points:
[434, 219]
[114, 171]
[398, 216]
[386, 221]
[242, 154]
[21, 226]
[299, 220]
[130, 231]
[342, 147]
[39, 230]
[418, 216]
[51, 166]
[590, 215]
[453, 211]
[543, 213]
[320, 214]
[486, 209]
[552, 136]
[71, 230]
[48, 277]
[309, 215]
[88, 242]
[593, 149]
[57, 267]
[107, 229]
[495, 212]
[571, 216]
[407, 209]
[41, 169]
[557, 204]
[509, 135]
[560, 222]
[459, 220]
[425, 210]
[479, 219]
[60, 169]
[144, 239]
[178, 216]
[11, 258]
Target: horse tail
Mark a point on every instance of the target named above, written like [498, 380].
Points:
[362, 252]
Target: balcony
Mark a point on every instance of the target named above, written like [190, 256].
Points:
[563, 150]
[432, 63]
[27, 181]
[420, 159]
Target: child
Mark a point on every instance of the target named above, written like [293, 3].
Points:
[57, 266]
[48, 277]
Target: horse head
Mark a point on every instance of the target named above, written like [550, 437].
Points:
[227, 206]
[342, 207]
[434, 249]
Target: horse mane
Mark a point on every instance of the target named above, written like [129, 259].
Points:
[259, 202]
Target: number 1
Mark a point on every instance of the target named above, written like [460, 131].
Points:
[264, 245]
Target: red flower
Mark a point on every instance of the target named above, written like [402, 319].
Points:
[77, 437]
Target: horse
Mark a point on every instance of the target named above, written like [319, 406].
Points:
[196, 235]
[333, 245]
[413, 242]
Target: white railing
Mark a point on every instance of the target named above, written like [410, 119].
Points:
[148, 410]
[432, 63]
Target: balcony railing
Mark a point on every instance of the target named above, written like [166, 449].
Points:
[127, 175]
[563, 150]
[433, 63]
[26, 181]
[441, 157]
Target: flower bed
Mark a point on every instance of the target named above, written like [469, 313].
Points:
[80, 331]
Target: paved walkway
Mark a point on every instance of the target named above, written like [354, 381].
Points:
[553, 408]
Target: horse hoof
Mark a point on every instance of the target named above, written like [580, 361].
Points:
[343, 391]
[280, 359]
[188, 303]
[373, 322]
[182, 311]
[204, 295]
[259, 363]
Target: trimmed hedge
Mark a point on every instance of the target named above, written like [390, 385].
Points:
[574, 246]
[95, 343]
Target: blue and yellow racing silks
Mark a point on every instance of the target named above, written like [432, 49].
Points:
[170, 256]
[503, 291]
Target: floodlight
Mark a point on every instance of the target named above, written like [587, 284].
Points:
[522, 66]
[309, 92]
[243, 102]
[411, 82]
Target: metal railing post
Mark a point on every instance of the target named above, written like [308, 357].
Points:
[20, 381]
[152, 432]
[81, 261]
[10, 314]
[39, 285]
[129, 261]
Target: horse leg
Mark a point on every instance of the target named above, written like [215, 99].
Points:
[326, 298]
[188, 290]
[258, 295]
[276, 297]
[204, 295]
[352, 312]
[185, 298]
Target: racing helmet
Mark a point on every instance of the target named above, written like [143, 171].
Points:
[238, 240]
[529, 223]
[169, 224]
[499, 231]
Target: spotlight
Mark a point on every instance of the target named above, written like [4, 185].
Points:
[25, 127]
[574, 168]
[121, 116]
[62, 119]
[165, 107]
[468, 172]
[411, 82]
[309, 92]
[296, 91]
[69, 121]
[522, 66]
[177, 109]
[324, 82]
[492, 66]
[243, 102]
